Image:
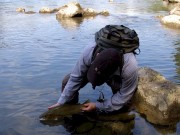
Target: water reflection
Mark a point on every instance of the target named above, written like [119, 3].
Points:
[81, 124]
[72, 23]
[177, 59]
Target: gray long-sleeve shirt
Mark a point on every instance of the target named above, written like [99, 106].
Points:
[116, 102]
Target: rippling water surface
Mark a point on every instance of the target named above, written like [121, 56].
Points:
[36, 51]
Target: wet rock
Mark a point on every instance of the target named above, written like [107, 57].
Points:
[104, 12]
[74, 9]
[171, 21]
[93, 12]
[48, 10]
[20, 9]
[89, 12]
[157, 98]
[70, 23]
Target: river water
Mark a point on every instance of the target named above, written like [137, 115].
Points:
[36, 51]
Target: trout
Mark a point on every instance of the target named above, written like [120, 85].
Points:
[59, 112]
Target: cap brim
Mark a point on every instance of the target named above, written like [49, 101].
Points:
[92, 76]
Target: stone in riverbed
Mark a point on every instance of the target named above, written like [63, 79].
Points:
[171, 21]
[20, 10]
[48, 10]
[74, 9]
[157, 98]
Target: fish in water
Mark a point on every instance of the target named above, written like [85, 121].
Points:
[59, 112]
[57, 115]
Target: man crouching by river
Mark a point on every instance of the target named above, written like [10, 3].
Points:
[99, 65]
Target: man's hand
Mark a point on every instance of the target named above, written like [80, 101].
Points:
[55, 105]
[88, 107]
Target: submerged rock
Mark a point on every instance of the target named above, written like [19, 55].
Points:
[157, 98]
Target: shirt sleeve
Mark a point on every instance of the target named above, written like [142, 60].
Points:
[129, 84]
[77, 75]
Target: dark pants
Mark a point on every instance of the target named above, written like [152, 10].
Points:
[114, 83]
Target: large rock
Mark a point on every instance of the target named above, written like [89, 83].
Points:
[157, 98]
[74, 9]
[171, 21]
